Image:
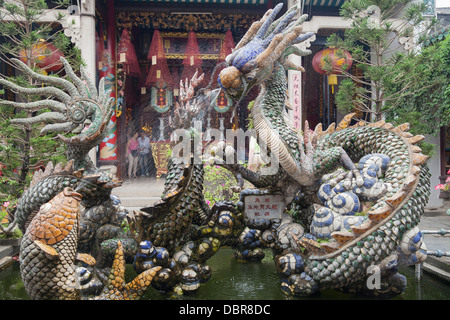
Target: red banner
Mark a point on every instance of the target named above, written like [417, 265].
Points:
[107, 70]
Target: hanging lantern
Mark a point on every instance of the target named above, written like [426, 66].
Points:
[159, 74]
[192, 61]
[127, 55]
[44, 55]
[340, 60]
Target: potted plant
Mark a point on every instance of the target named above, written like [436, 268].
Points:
[445, 187]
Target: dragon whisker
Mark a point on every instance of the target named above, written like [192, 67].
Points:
[59, 127]
[47, 117]
[71, 89]
[64, 97]
[36, 105]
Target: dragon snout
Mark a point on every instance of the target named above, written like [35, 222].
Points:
[230, 78]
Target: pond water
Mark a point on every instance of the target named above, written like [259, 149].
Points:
[233, 280]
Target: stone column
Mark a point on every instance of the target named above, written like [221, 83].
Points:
[87, 46]
[79, 26]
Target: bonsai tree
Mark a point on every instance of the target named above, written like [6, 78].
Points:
[384, 33]
[23, 149]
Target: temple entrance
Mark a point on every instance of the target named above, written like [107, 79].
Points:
[155, 50]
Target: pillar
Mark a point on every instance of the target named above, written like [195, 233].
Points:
[108, 147]
[87, 39]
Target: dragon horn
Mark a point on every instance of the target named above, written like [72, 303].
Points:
[280, 24]
[277, 47]
[251, 32]
[271, 17]
[91, 88]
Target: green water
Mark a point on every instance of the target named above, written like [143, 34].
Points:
[232, 280]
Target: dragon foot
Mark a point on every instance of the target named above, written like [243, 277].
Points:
[180, 274]
[299, 285]
[116, 287]
[383, 280]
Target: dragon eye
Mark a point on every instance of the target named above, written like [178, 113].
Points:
[251, 75]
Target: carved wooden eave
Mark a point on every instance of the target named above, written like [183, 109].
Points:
[166, 21]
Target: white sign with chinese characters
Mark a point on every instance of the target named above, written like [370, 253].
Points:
[267, 206]
[295, 95]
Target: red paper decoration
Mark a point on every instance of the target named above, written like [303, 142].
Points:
[127, 55]
[159, 71]
[45, 55]
[192, 61]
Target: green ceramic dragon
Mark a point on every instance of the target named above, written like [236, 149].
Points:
[355, 194]
[68, 213]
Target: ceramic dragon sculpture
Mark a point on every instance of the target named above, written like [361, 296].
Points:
[354, 194]
[180, 232]
[69, 209]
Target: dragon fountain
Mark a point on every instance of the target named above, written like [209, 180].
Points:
[68, 214]
[180, 232]
[347, 200]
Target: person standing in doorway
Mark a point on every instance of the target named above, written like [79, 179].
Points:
[144, 152]
[133, 153]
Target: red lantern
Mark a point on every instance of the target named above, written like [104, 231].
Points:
[339, 59]
[45, 55]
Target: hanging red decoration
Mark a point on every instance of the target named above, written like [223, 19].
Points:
[227, 46]
[222, 103]
[158, 71]
[44, 55]
[340, 60]
[127, 55]
[192, 61]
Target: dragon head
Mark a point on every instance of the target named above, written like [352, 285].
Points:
[77, 108]
[267, 42]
